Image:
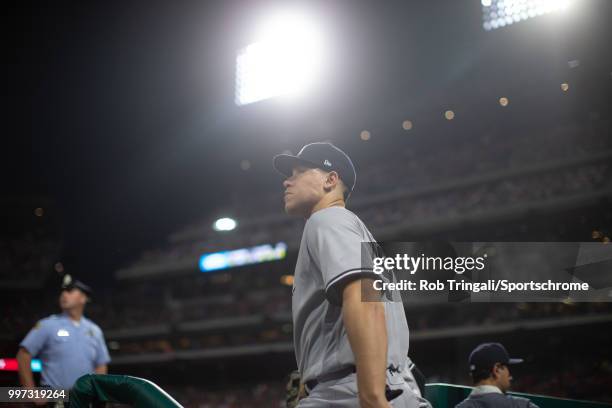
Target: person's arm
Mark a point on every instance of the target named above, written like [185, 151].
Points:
[102, 356]
[367, 334]
[24, 366]
[101, 369]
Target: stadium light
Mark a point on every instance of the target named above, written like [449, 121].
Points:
[225, 224]
[11, 364]
[407, 125]
[285, 60]
[500, 13]
[244, 256]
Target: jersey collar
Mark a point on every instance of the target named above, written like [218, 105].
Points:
[485, 389]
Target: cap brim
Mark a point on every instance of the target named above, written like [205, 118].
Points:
[284, 163]
[70, 287]
[515, 361]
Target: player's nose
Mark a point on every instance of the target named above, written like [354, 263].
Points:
[287, 182]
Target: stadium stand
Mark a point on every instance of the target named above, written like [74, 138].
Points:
[164, 315]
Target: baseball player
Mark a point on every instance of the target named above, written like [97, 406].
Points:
[349, 352]
[491, 376]
[69, 344]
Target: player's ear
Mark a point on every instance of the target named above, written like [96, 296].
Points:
[331, 180]
[495, 371]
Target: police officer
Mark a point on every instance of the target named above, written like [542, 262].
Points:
[69, 344]
[489, 367]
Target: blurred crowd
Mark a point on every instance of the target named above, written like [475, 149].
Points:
[423, 184]
[581, 378]
[23, 256]
[424, 165]
[261, 394]
[410, 209]
[422, 320]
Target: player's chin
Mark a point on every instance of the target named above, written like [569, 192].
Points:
[289, 209]
[292, 209]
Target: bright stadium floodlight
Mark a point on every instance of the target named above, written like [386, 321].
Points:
[285, 60]
[224, 224]
[500, 13]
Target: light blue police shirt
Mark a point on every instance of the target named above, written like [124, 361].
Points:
[67, 349]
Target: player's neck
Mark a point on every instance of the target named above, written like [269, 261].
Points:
[327, 202]
[490, 382]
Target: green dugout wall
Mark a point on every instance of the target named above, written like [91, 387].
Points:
[141, 393]
[448, 395]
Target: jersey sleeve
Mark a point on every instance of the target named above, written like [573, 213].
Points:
[520, 402]
[102, 356]
[337, 248]
[529, 404]
[36, 338]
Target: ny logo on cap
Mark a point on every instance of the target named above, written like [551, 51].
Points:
[327, 163]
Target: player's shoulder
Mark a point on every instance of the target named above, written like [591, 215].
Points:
[465, 404]
[495, 399]
[479, 400]
[331, 216]
[521, 402]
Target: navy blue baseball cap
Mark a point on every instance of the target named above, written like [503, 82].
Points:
[319, 155]
[486, 355]
[68, 283]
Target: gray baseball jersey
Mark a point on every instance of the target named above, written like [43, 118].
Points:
[330, 255]
[495, 400]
